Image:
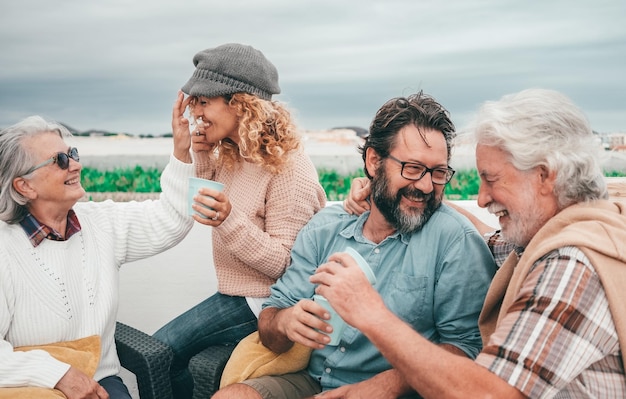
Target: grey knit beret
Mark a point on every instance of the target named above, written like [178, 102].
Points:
[232, 68]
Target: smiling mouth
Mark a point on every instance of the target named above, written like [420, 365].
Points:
[501, 213]
[415, 198]
[73, 181]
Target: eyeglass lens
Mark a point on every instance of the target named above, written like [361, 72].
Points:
[417, 171]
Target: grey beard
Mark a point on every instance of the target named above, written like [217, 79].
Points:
[389, 205]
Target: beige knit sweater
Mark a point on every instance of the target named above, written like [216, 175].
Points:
[251, 248]
[598, 229]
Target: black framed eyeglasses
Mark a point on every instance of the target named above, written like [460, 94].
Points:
[60, 158]
[415, 171]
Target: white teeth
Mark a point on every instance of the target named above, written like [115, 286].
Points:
[501, 213]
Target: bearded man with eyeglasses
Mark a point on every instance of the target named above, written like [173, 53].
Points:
[431, 266]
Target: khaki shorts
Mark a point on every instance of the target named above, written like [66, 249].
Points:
[293, 386]
[287, 386]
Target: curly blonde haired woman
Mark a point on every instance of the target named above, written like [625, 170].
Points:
[243, 139]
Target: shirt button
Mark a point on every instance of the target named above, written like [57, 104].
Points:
[377, 250]
[343, 349]
[327, 370]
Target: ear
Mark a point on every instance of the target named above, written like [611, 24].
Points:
[372, 161]
[23, 187]
[547, 179]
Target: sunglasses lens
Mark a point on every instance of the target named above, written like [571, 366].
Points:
[74, 154]
[63, 160]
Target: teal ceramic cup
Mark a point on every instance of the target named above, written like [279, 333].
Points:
[362, 264]
[335, 320]
[195, 184]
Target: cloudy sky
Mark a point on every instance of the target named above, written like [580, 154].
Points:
[117, 64]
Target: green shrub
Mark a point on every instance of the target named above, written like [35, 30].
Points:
[463, 186]
[122, 180]
[615, 173]
[335, 185]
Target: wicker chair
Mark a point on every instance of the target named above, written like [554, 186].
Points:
[149, 360]
[146, 357]
[206, 368]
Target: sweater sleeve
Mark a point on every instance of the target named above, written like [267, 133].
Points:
[292, 198]
[205, 165]
[138, 229]
[35, 368]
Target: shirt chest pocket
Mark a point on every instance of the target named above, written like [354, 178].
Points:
[408, 297]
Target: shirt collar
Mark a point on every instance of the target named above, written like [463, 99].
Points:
[355, 230]
[37, 231]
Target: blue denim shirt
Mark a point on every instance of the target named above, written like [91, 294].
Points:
[434, 279]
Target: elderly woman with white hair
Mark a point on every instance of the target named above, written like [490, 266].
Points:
[60, 258]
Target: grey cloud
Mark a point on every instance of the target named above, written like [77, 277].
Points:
[117, 65]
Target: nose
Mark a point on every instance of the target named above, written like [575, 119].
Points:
[484, 198]
[74, 164]
[425, 184]
[197, 112]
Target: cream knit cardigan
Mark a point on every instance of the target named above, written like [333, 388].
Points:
[65, 290]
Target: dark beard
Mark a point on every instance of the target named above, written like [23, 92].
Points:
[389, 204]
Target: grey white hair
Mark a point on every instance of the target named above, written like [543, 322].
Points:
[15, 161]
[539, 127]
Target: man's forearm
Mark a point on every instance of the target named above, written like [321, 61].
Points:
[269, 331]
[429, 370]
[393, 382]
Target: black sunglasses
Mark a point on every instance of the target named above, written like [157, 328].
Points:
[60, 158]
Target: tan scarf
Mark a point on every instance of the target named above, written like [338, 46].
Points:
[598, 229]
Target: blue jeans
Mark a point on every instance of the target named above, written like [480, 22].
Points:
[218, 320]
[115, 387]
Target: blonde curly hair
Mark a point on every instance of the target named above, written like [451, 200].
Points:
[266, 133]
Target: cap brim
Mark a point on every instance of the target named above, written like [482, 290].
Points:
[206, 88]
